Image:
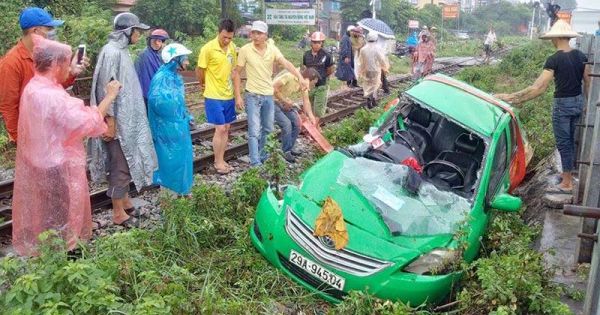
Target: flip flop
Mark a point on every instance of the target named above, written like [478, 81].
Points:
[133, 212]
[559, 190]
[129, 223]
[223, 171]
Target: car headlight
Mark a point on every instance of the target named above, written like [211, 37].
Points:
[437, 261]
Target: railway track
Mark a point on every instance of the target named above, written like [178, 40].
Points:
[340, 105]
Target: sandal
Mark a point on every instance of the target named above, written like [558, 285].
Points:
[556, 189]
[133, 212]
[129, 223]
[223, 171]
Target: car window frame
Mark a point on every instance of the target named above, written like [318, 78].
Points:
[512, 127]
[495, 180]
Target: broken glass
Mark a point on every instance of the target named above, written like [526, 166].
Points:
[431, 211]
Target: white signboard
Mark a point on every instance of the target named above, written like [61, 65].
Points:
[413, 24]
[290, 16]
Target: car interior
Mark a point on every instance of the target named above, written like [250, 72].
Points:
[448, 155]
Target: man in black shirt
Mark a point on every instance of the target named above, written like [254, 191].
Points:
[321, 61]
[567, 68]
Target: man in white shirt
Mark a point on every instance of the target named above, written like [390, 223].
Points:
[490, 39]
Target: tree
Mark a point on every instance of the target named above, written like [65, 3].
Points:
[185, 16]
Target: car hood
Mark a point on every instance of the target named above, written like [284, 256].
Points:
[321, 181]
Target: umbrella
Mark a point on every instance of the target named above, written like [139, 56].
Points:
[378, 26]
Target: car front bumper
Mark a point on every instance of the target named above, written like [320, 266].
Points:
[271, 239]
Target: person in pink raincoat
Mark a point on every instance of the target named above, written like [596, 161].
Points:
[50, 186]
[423, 56]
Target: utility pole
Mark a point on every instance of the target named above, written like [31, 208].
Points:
[223, 9]
[372, 3]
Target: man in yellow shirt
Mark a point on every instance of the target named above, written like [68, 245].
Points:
[285, 86]
[215, 73]
[258, 58]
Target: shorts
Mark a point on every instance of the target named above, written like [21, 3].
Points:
[118, 171]
[219, 112]
[318, 100]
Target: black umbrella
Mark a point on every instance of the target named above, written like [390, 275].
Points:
[378, 26]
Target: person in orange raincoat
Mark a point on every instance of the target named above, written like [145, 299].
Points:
[423, 56]
[50, 187]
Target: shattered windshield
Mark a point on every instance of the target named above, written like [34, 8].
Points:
[430, 211]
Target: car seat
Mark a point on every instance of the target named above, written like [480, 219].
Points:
[419, 119]
[465, 153]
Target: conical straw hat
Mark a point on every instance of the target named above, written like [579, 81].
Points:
[560, 29]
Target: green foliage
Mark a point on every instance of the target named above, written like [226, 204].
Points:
[275, 165]
[512, 278]
[504, 16]
[52, 284]
[187, 16]
[287, 32]
[9, 23]
[247, 189]
[351, 130]
[62, 8]
[362, 303]
[91, 27]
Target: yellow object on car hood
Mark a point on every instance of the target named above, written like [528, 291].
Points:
[330, 222]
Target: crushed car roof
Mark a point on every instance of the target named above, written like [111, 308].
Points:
[471, 110]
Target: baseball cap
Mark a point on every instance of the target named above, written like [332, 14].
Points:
[33, 16]
[260, 26]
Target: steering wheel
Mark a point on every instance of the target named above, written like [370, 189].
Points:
[378, 156]
[409, 140]
[445, 171]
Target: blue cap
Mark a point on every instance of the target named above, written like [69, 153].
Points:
[33, 16]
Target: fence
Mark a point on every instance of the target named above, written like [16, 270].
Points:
[587, 192]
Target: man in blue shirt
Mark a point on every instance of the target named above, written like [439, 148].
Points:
[598, 30]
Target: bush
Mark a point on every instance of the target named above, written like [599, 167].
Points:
[9, 23]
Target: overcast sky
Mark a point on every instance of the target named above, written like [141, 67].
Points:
[589, 4]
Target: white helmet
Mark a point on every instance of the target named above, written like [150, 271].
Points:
[173, 50]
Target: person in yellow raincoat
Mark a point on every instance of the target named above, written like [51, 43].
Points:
[372, 62]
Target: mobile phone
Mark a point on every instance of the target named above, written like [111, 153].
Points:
[80, 53]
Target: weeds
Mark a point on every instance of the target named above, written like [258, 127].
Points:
[275, 164]
[351, 130]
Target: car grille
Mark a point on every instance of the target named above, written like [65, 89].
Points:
[346, 260]
[311, 280]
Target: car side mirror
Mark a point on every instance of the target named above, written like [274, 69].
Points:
[506, 202]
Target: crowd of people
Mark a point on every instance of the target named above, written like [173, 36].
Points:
[137, 126]
[136, 129]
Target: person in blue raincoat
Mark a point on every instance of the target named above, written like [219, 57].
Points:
[150, 60]
[345, 68]
[412, 41]
[170, 122]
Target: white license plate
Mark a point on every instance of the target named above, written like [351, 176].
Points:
[317, 271]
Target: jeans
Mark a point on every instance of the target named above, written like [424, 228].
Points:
[565, 114]
[260, 111]
[289, 122]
